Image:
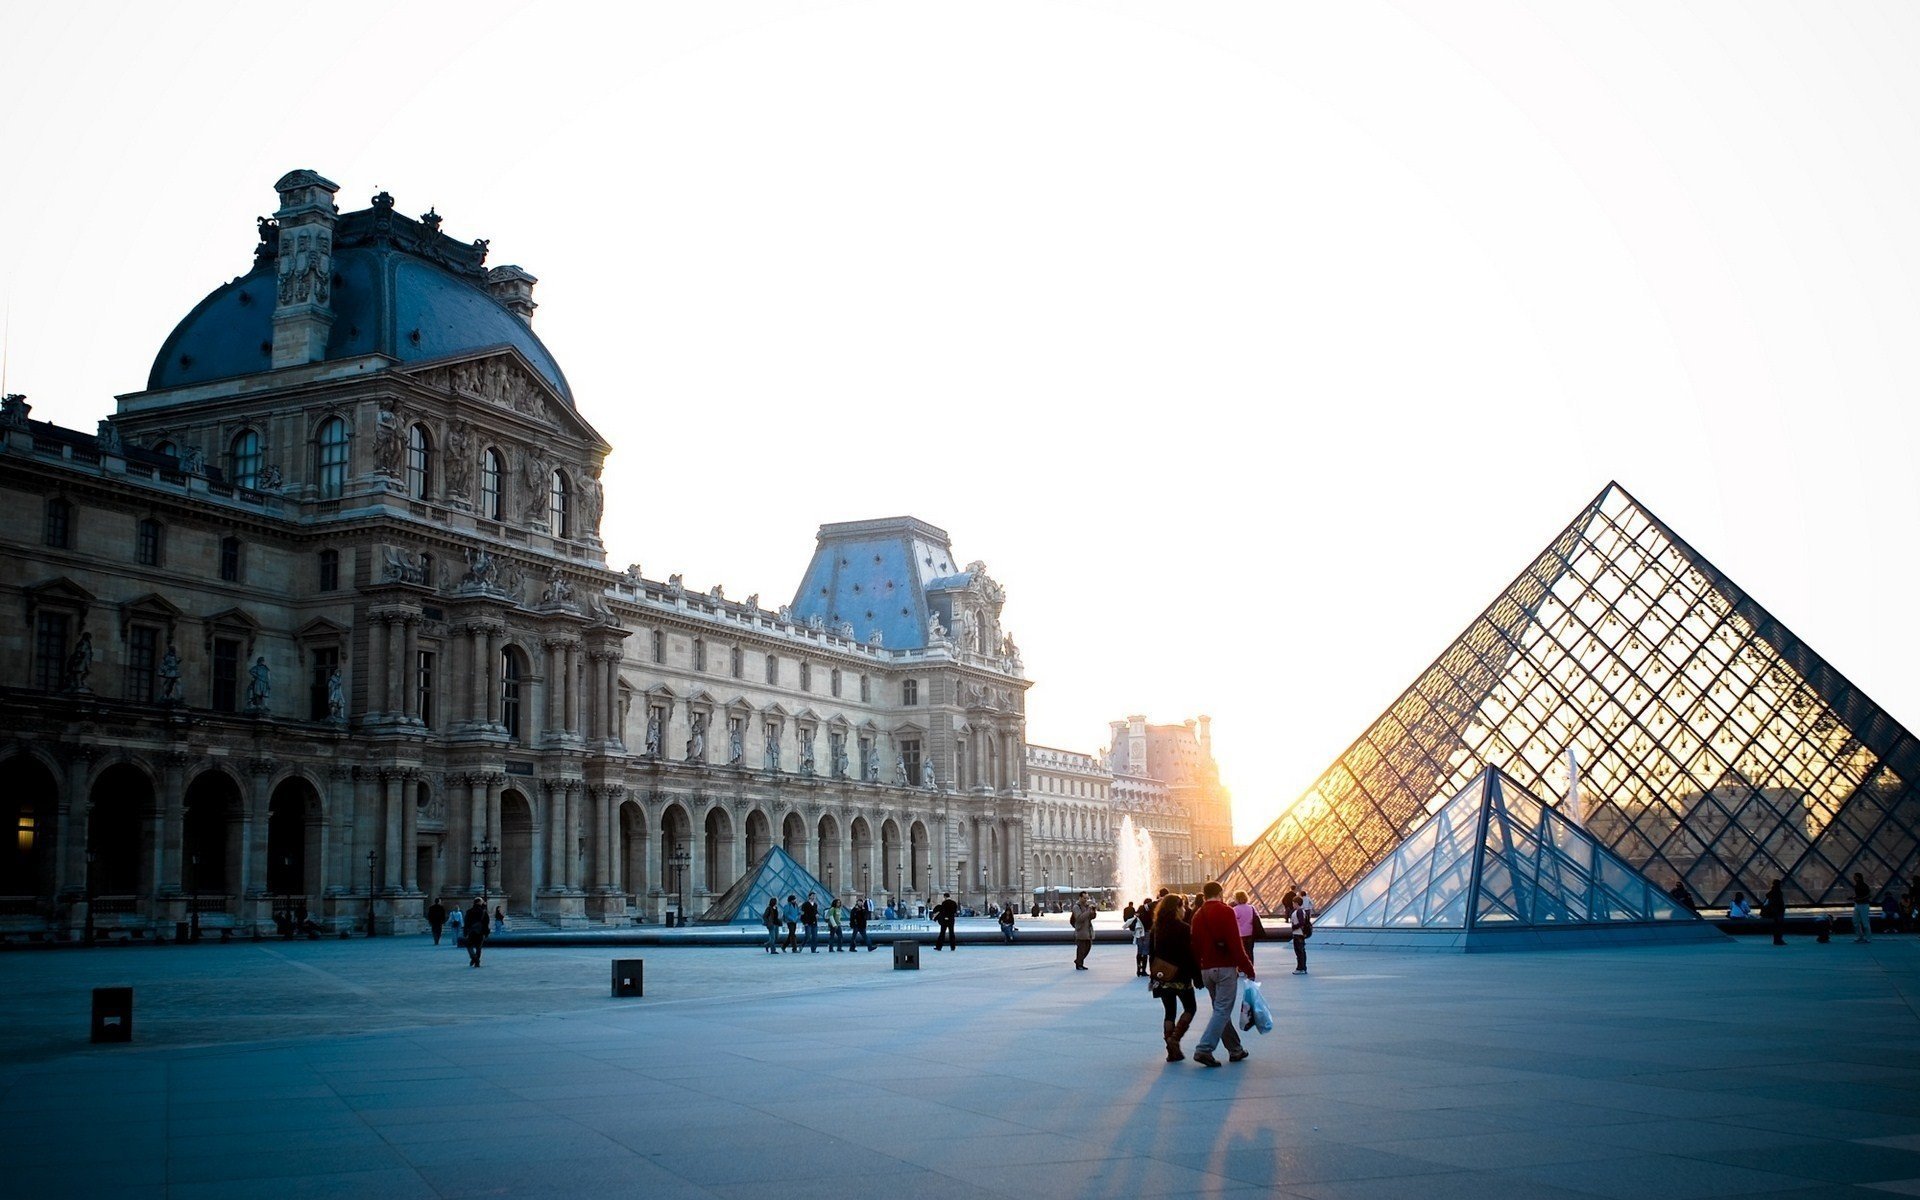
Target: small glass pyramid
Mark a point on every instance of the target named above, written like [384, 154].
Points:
[1496, 860]
[776, 876]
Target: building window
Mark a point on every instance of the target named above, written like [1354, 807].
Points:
[244, 458]
[490, 484]
[143, 655]
[699, 654]
[59, 524]
[326, 659]
[866, 690]
[806, 677]
[559, 506]
[833, 681]
[329, 570]
[331, 451]
[909, 691]
[773, 668]
[910, 755]
[739, 663]
[226, 675]
[50, 650]
[419, 462]
[510, 692]
[659, 646]
[424, 676]
[230, 558]
[146, 543]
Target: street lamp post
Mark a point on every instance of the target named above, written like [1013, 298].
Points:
[373, 857]
[193, 897]
[830, 892]
[680, 860]
[866, 879]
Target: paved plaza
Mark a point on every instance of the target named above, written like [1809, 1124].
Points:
[390, 1068]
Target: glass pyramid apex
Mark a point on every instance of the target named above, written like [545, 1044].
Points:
[775, 877]
[1715, 747]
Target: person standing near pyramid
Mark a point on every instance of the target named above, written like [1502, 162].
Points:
[1774, 909]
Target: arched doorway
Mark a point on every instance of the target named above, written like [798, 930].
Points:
[293, 846]
[759, 837]
[29, 800]
[793, 838]
[676, 840]
[830, 871]
[516, 851]
[719, 863]
[892, 869]
[919, 877]
[210, 849]
[860, 868]
[117, 811]
[632, 864]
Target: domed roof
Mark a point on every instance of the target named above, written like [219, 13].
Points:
[400, 288]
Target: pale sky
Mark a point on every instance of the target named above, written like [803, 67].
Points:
[1254, 347]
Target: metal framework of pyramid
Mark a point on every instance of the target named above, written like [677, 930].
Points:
[1496, 868]
[775, 877]
[1714, 746]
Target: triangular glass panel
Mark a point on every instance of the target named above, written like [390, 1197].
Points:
[1715, 745]
[776, 876]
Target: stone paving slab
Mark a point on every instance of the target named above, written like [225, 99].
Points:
[390, 1068]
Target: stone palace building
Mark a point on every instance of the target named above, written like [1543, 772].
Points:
[320, 620]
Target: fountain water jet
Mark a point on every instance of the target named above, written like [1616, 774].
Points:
[1133, 862]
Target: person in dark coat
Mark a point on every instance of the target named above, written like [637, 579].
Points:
[945, 912]
[771, 919]
[477, 928]
[857, 920]
[1774, 909]
[1173, 943]
[436, 919]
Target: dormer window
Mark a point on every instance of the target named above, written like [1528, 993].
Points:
[419, 462]
[245, 459]
[331, 451]
[559, 505]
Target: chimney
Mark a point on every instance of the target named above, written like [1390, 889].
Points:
[1137, 745]
[1206, 735]
[303, 306]
[513, 287]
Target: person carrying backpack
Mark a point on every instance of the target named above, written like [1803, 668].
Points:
[1300, 921]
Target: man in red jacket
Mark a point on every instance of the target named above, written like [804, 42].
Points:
[1222, 958]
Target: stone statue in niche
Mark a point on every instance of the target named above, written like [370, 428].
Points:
[336, 697]
[653, 734]
[936, 632]
[170, 676]
[459, 459]
[773, 748]
[386, 442]
[80, 663]
[900, 769]
[837, 748]
[806, 757]
[926, 774]
[259, 686]
[536, 486]
[736, 743]
[591, 498]
[697, 743]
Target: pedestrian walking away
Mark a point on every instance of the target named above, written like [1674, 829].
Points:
[862, 913]
[1222, 960]
[1173, 956]
[945, 912]
[436, 919]
[1248, 921]
[771, 919]
[810, 917]
[1082, 922]
[836, 917]
[477, 927]
[1774, 909]
[790, 913]
[1862, 909]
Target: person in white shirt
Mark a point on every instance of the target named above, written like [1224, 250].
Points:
[1740, 910]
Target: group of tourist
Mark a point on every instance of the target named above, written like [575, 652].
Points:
[798, 916]
[470, 928]
[1184, 943]
[1900, 913]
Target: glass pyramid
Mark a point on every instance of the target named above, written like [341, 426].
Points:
[1715, 747]
[1496, 860]
[776, 876]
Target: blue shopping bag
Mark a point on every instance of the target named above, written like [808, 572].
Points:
[1254, 1013]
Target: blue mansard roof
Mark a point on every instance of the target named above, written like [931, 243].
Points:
[878, 575]
[400, 288]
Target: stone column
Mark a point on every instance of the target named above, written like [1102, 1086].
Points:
[556, 823]
[410, 828]
[551, 722]
[614, 727]
[697, 853]
[166, 829]
[392, 782]
[570, 684]
[340, 820]
[495, 785]
[410, 671]
[476, 675]
[70, 847]
[396, 667]
[376, 664]
[492, 674]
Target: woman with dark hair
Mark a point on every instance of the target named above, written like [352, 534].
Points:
[1173, 949]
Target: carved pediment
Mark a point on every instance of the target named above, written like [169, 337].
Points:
[500, 377]
[61, 593]
[321, 629]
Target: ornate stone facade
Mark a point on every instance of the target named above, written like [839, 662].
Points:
[336, 632]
